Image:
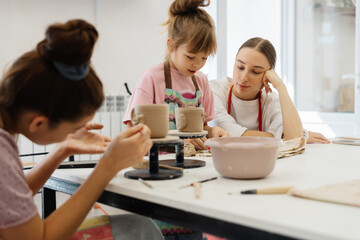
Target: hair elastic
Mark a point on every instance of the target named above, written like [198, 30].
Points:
[72, 72]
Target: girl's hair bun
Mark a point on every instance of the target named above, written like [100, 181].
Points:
[190, 24]
[184, 7]
[70, 43]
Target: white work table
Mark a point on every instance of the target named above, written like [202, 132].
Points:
[223, 211]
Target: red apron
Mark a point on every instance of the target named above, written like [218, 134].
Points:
[259, 113]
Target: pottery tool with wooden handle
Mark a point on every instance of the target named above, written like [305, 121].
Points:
[202, 181]
[197, 189]
[270, 190]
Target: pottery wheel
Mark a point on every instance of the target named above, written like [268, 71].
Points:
[180, 161]
[154, 173]
[165, 139]
[186, 163]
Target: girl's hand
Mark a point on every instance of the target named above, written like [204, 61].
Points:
[85, 142]
[315, 137]
[198, 143]
[212, 132]
[271, 76]
[127, 149]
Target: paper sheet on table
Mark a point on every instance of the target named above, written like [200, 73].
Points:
[346, 140]
[347, 193]
[292, 147]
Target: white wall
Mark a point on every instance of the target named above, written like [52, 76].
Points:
[23, 23]
[131, 40]
[131, 36]
[255, 18]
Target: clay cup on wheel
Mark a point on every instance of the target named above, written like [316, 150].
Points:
[189, 119]
[155, 116]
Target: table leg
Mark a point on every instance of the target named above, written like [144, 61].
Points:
[179, 151]
[154, 159]
[48, 200]
[180, 161]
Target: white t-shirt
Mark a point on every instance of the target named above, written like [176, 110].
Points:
[244, 114]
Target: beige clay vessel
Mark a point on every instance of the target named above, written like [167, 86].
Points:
[155, 116]
[189, 119]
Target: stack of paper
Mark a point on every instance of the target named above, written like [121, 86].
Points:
[292, 147]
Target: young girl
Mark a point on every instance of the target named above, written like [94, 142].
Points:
[246, 105]
[178, 82]
[49, 95]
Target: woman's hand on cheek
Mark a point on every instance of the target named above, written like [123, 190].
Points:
[84, 141]
[271, 76]
[128, 148]
[265, 84]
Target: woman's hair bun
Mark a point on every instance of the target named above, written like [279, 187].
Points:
[181, 7]
[71, 42]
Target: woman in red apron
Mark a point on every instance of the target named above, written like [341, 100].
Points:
[246, 105]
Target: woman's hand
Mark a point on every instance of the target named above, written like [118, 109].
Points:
[127, 149]
[85, 142]
[81, 142]
[216, 132]
[315, 137]
[271, 76]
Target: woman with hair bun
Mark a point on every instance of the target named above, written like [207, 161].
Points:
[49, 95]
[178, 81]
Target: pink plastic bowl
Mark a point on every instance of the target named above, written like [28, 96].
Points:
[244, 157]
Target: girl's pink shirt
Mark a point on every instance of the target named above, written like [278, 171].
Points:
[151, 90]
[16, 200]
